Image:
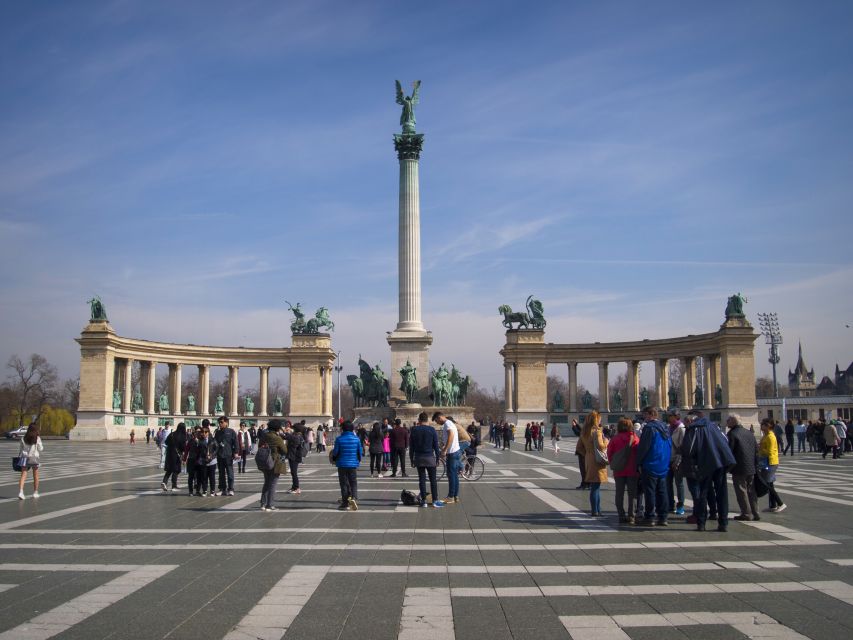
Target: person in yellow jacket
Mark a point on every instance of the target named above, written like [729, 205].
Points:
[768, 461]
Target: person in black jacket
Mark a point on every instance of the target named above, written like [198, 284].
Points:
[226, 452]
[294, 440]
[424, 453]
[174, 444]
[745, 450]
[377, 452]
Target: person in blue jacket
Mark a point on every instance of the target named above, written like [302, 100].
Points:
[653, 456]
[346, 454]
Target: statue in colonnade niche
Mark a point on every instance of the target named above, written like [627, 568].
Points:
[137, 400]
[164, 402]
[644, 397]
[698, 397]
[116, 400]
[277, 406]
[673, 397]
[586, 400]
[617, 401]
[557, 406]
[219, 408]
[718, 395]
[191, 403]
[250, 405]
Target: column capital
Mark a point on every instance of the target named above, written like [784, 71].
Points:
[408, 145]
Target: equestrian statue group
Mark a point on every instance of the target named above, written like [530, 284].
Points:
[449, 388]
[534, 318]
[370, 388]
[312, 325]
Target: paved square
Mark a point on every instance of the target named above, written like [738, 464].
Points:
[104, 553]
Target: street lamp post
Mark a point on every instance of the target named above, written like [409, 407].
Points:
[769, 323]
[338, 368]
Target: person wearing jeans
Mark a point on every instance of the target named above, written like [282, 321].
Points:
[272, 438]
[346, 454]
[451, 453]
[654, 454]
[709, 453]
[768, 462]
[674, 479]
[626, 477]
[590, 441]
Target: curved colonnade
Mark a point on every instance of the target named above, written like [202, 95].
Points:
[106, 364]
[728, 354]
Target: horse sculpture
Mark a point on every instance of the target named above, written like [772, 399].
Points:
[374, 388]
[320, 319]
[442, 387]
[511, 316]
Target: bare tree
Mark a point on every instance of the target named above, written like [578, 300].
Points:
[69, 396]
[276, 389]
[553, 384]
[33, 383]
[488, 404]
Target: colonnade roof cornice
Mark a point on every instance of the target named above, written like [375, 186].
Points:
[192, 354]
[638, 350]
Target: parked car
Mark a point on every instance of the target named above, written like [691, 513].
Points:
[15, 434]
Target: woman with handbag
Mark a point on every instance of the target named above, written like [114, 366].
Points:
[28, 458]
[593, 446]
[768, 461]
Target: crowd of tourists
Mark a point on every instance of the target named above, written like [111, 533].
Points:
[209, 455]
[822, 436]
[651, 462]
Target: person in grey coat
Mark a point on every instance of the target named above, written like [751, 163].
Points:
[745, 450]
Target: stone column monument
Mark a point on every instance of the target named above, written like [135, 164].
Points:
[409, 341]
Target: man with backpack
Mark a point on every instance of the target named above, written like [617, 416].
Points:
[708, 452]
[226, 452]
[295, 452]
[653, 457]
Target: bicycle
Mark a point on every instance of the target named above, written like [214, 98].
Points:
[472, 469]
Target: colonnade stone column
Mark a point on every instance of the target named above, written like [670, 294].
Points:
[203, 389]
[662, 380]
[264, 390]
[150, 378]
[508, 387]
[127, 397]
[603, 392]
[688, 381]
[633, 379]
[573, 387]
[711, 363]
[233, 391]
[175, 388]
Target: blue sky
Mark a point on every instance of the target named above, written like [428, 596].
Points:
[197, 163]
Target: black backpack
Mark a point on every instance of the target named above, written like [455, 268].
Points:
[264, 459]
[409, 498]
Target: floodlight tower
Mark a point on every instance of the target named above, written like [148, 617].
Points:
[769, 323]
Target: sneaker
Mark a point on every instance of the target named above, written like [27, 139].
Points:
[263, 507]
[770, 510]
[438, 504]
[743, 518]
[231, 493]
[422, 504]
[405, 475]
[679, 511]
[756, 517]
[353, 505]
[779, 509]
[21, 495]
[343, 506]
[174, 489]
[380, 475]
[295, 491]
[631, 520]
[662, 523]
[393, 475]
[35, 494]
[163, 486]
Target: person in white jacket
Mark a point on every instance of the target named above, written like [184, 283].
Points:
[31, 448]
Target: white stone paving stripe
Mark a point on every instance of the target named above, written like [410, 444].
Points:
[842, 562]
[76, 610]
[753, 624]
[427, 614]
[241, 504]
[541, 458]
[550, 569]
[570, 511]
[485, 459]
[550, 474]
[276, 611]
[70, 510]
[6, 587]
[802, 494]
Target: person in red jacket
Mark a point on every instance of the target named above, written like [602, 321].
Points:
[627, 477]
[399, 444]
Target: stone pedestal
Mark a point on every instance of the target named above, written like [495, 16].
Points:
[414, 347]
[462, 416]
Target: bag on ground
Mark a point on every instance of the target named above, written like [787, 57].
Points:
[408, 498]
